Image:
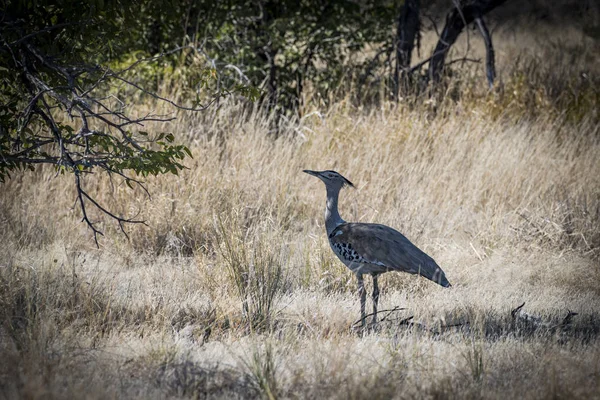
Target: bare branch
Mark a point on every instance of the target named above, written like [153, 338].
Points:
[158, 97]
[389, 312]
[150, 59]
[456, 21]
[85, 218]
[81, 194]
[489, 47]
[47, 29]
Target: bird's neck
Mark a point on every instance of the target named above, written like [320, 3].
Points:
[332, 216]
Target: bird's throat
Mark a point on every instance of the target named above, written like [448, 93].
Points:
[332, 216]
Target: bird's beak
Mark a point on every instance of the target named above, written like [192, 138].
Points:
[313, 173]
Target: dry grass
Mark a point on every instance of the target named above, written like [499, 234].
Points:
[233, 292]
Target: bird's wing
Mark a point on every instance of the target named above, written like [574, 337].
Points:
[380, 244]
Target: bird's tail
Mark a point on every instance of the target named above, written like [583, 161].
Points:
[439, 277]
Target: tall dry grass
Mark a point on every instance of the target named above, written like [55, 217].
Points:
[232, 290]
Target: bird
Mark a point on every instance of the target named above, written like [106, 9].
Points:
[367, 248]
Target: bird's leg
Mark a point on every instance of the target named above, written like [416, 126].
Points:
[375, 298]
[363, 298]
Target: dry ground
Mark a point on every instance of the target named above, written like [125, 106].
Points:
[232, 290]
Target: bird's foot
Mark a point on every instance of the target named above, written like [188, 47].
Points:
[374, 326]
[365, 329]
[358, 329]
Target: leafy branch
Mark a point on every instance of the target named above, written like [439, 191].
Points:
[60, 110]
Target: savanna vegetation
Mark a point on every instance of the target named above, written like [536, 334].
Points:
[228, 289]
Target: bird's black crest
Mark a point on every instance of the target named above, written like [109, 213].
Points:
[346, 181]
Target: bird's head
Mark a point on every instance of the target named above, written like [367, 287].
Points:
[331, 179]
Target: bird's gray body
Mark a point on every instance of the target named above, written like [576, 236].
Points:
[374, 249]
[371, 248]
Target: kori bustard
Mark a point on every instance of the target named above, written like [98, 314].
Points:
[371, 248]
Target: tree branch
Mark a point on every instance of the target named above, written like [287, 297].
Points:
[489, 47]
[42, 98]
[81, 194]
[456, 21]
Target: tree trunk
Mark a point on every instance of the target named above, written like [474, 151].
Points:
[268, 51]
[407, 31]
[456, 21]
[270, 54]
[489, 48]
